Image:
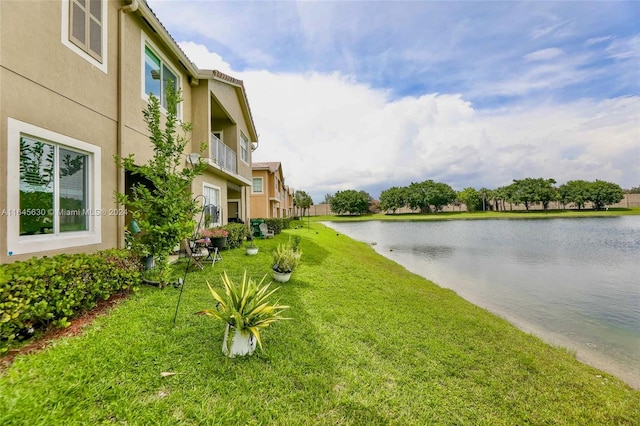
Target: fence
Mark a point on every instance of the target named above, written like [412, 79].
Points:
[629, 201]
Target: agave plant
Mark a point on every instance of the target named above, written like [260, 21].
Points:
[245, 306]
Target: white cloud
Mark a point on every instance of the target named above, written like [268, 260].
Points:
[628, 48]
[544, 54]
[203, 58]
[332, 133]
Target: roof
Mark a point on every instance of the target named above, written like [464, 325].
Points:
[272, 166]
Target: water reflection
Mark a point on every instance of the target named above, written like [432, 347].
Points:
[431, 252]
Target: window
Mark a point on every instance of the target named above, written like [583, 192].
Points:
[84, 30]
[53, 201]
[212, 215]
[157, 76]
[256, 188]
[244, 148]
[53, 188]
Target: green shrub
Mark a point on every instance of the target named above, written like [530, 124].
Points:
[237, 234]
[277, 224]
[37, 293]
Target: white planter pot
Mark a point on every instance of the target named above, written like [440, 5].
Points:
[241, 344]
[252, 251]
[281, 277]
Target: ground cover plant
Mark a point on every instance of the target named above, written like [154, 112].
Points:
[368, 343]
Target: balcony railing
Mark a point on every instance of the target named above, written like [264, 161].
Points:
[222, 155]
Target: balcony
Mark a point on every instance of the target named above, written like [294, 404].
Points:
[222, 155]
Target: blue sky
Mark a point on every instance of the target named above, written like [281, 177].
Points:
[367, 95]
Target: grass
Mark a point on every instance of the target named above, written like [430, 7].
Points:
[523, 214]
[369, 344]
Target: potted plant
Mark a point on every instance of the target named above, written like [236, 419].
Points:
[245, 309]
[218, 237]
[155, 277]
[252, 249]
[285, 260]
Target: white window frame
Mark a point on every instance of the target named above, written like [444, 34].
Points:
[66, 37]
[219, 200]
[255, 192]
[146, 42]
[17, 244]
[244, 147]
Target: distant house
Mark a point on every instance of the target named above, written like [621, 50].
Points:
[75, 77]
[270, 197]
[287, 206]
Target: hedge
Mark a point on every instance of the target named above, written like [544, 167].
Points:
[277, 224]
[41, 292]
[237, 233]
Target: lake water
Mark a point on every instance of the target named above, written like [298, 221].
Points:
[573, 282]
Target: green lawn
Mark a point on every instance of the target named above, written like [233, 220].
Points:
[369, 343]
[533, 214]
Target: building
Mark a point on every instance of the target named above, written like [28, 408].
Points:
[74, 78]
[270, 197]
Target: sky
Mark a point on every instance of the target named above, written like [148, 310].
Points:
[367, 95]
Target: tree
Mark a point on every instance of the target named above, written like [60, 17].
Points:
[634, 190]
[602, 193]
[532, 191]
[485, 195]
[425, 194]
[522, 192]
[302, 200]
[393, 199]
[442, 195]
[576, 192]
[350, 201]
[470, 198]
[164, 209]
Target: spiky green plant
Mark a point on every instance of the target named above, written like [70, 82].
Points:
[245, 306]
[285, 258]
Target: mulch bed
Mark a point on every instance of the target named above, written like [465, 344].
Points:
[77, 325]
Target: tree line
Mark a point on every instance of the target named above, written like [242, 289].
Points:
[430, 196]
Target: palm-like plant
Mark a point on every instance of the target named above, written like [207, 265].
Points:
[245, 306]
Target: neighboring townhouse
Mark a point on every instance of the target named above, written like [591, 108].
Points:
[222, 117]
[74, 78]
[288, 207]
[269, 194]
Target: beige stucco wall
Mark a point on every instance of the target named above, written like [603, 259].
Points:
[260, 202]
[227, 95]
[45, 84]
[211, 94]
[136, 137]
[629, 201]
[200, 117]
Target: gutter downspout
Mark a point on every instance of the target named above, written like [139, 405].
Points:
[131, 7]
